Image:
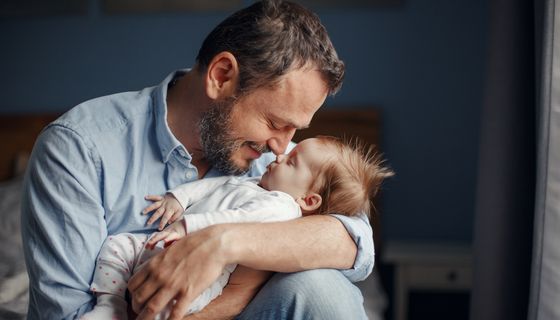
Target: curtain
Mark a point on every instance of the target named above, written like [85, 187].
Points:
[503, 226]
[545, 277]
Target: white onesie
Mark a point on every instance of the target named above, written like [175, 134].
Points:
[208, 201]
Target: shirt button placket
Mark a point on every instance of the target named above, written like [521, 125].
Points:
[189, 175]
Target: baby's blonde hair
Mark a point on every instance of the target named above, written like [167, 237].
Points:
[349, 181]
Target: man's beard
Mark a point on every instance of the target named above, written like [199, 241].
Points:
[217, 140]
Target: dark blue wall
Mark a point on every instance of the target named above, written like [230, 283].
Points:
[421, 63]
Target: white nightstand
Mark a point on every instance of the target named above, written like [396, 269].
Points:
[427, 266]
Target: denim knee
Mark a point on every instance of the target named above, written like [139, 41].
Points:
[313, 294]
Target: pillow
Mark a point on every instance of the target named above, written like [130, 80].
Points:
[14, 282]
[10, 238]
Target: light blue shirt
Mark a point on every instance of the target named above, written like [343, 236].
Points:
[87, 178]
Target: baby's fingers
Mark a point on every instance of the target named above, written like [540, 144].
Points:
[159, 212]
[152, 207]
[176, 216]
[157, 237]
[169, 214]
[153, 197]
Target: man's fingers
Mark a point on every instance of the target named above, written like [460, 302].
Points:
[180, 308]
[159, 301]
[137, 280]
[142, 296]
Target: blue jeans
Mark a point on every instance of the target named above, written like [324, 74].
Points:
[315, 294]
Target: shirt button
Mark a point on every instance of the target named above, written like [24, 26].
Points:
[189, 175]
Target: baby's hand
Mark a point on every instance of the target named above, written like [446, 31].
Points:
[173, 232]
[168, 208]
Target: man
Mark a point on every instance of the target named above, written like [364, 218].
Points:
[259, 76]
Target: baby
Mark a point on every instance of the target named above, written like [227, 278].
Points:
[319, 176]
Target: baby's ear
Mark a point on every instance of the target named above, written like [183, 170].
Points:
[310, 203]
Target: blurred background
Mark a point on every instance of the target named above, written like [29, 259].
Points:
[422, 64]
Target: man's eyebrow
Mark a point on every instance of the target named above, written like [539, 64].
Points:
[299, 127]
[293, 124]
[290, 123]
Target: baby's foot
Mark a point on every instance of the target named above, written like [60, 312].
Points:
[108, 306]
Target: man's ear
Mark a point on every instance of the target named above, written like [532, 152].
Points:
[222, 75]
[309, 203]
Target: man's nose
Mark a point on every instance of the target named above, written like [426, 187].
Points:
[279, 143]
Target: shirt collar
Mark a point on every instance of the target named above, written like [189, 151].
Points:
[166, 140]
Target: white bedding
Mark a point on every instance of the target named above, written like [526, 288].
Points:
[13, 276]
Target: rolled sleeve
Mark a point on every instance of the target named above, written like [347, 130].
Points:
[361, 232]
[63, 223]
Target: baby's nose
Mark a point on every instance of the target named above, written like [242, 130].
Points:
[280, 157]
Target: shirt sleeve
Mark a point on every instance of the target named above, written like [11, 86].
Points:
[63, 224]
[360, 230]
[264, 207]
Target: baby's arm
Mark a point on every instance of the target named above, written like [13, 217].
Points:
[192, 192]
[171, 206]
[265, 207]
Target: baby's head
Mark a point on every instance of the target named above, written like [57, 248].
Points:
[326, 175]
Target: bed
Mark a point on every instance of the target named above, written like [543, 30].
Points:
[18, 133]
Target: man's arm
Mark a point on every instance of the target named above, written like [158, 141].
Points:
[312, 242]
[63, 224]
[306, 243]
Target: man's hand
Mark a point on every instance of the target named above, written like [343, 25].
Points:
[166, 207]
[190, 265]
[180, 272]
